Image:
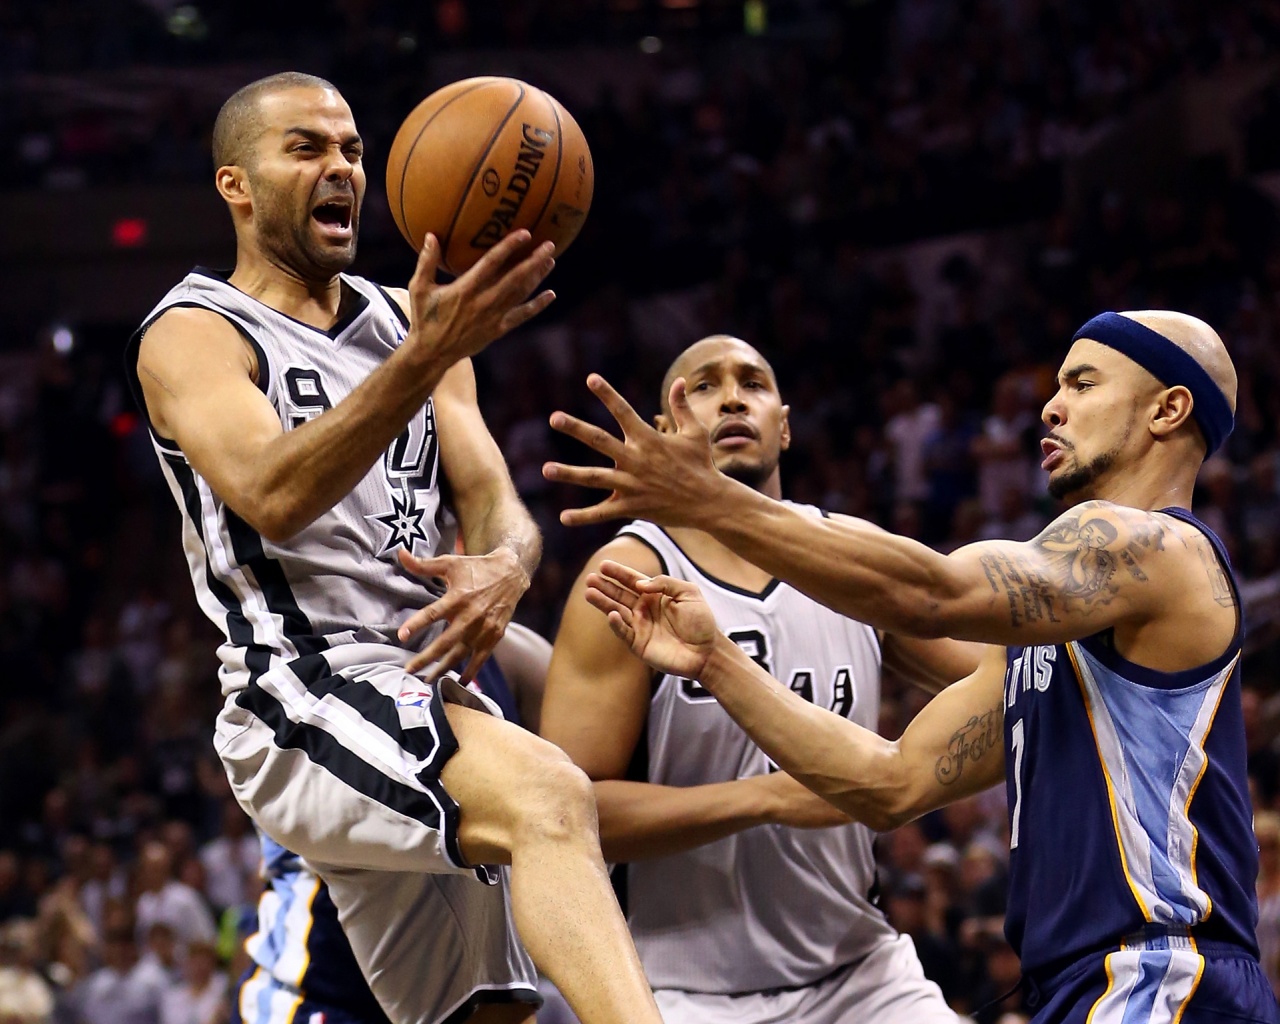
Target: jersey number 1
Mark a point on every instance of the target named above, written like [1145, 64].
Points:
[1018, 741]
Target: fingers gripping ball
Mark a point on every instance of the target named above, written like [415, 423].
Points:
[482, 157]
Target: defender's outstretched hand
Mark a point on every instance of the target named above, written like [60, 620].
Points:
[664, 478]
[666, 622]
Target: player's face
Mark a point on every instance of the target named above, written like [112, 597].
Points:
[1091, 420]
[308, 182]
[732, 393]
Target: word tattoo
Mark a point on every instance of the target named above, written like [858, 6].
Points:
[969, 743]
[1075, 566]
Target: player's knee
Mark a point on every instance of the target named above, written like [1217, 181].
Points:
[558, 803]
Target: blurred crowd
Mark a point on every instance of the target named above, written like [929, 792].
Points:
[769, 200]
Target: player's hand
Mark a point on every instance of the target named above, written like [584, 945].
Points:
[480, 597]
[457, 320]
[666, 622]
[664, 478]
[789, 803]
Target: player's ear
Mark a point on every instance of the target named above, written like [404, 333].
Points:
[662, 423]
[1173, 409]
[233, 185]
[786, 427]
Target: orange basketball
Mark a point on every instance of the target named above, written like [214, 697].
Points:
[483, 157]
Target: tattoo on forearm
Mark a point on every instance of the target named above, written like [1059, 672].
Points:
[1076, 566]
[971, 742]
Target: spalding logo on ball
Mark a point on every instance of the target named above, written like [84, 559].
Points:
[483, 157]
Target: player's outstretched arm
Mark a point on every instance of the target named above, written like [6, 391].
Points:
[198, 381]
[1096, 566]
[595, 708]
[501, 542]
[952, 749]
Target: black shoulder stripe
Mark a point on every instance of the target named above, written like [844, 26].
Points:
[396, 308]
[135, 342]
[624, 532]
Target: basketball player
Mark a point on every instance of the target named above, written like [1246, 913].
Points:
[302, 961]
[308, 422]
[737, 920]
[1115, 680]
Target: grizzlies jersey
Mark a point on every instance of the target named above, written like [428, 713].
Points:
[338, 576]
[299, 949]
[1128, 800]
[769, 907]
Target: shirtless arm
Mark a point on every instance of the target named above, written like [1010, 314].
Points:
[952, 749]
[198, 383]
[595, 708]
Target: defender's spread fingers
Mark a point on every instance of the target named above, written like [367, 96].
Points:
[619, 408]
[602, 513]
[601, 478]
[596, 438]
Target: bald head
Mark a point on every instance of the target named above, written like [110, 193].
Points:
[704, 350]
[1198, 340]
[239, 122]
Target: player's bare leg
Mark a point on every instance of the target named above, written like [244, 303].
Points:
[523, 802]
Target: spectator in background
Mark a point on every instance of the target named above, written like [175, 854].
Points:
[25, 997]
[1002, 448]
[231, 859]
[124, 990]
[202, 996]
[912, 421]
[163, 899]
[1266, 825]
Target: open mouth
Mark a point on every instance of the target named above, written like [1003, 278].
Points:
[334, 217]
[1053, 453]
[734, 433]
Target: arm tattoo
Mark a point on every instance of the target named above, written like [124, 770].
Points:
[971, 742]
[1076, 565]
[1219, 585]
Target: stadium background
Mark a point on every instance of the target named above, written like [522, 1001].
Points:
[907, 204]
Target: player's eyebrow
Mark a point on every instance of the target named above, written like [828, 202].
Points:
[1076, 371]
[320, 138]
[714, 364]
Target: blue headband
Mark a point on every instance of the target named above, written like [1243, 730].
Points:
[1170, 365]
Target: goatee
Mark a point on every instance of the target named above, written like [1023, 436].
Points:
[1078, 479]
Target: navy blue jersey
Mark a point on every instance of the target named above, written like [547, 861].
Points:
[300, 949]
[1128, 799]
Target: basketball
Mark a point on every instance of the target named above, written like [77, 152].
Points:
[483, 157]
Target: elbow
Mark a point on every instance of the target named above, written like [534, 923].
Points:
[925, 616]
[276, 519]
[886, 819]
[880, 811]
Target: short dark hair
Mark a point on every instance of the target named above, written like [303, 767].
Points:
[238, 125]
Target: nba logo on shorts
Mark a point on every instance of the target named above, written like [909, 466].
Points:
[316, 1018]
[416, 697]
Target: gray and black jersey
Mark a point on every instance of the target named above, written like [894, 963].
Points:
[770, 907]
[339, 577]
[331, 747]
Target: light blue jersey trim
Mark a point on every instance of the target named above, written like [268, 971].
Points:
[1151, 746]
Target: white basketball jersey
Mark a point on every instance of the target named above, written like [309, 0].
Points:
[770, 907]
[339, 576]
